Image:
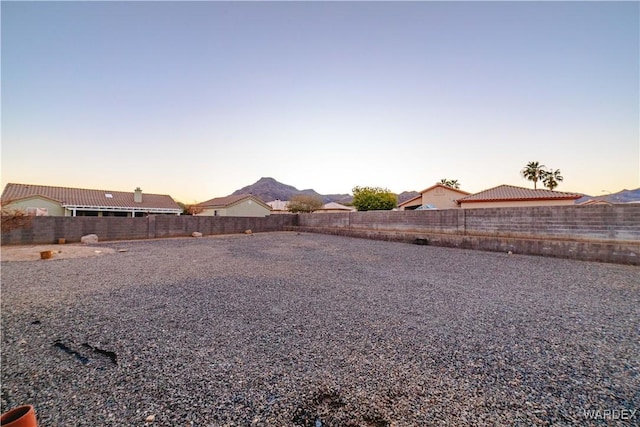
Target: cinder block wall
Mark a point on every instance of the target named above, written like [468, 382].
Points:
[595, 222]
[44, 230]
[609, 233]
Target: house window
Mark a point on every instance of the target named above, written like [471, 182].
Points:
[37, 212]
[215, 213]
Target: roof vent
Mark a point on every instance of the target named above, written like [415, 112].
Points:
[108, 195]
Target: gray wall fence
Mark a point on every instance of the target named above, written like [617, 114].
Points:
[609, 233]
[48, 229]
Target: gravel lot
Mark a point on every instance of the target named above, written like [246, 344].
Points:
[290, 329]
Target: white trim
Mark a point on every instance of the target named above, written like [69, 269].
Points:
[120, 209]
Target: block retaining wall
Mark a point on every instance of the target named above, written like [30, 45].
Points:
[608, 233]
[45, 230]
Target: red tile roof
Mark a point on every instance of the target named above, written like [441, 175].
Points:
[512, 193]
[88, 198]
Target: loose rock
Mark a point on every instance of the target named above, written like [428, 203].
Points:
[89, 238]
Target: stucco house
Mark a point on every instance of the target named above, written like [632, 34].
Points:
[279, 206]
[504, 196]
[332, 207]
[282, 207]
[239, 205]
[439, 196]
[41, 200]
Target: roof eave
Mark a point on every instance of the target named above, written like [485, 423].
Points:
[518, 200]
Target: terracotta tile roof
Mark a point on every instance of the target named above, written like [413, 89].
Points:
[89, 198]
[336, 206]
[223, 202]
[512, 193]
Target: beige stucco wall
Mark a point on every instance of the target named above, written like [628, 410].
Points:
[248, 208]
[53, 208]
[441, 198]
[244, 208]
[516, 204]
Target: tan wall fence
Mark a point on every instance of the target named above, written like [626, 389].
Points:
[43, 230]
[609, 233]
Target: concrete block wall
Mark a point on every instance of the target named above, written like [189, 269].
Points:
[609, 233]
[596, 222]
[45, 230]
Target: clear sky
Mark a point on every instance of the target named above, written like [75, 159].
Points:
[198, 99]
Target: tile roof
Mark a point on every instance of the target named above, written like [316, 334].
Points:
[512, 193]
[223, 202]
[336, 206]
[88, 198]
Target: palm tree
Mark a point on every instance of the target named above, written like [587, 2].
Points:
[534, 171]
[551, 178]
[453, 183]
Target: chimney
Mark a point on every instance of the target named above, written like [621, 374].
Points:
[137, 195]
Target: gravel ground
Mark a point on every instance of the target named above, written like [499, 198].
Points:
[290, 329]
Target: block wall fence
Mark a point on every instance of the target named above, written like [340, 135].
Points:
[48, 229]
[609, 233]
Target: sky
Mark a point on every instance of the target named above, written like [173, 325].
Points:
[199, 99]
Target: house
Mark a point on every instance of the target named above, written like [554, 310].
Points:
[239, 205]
[439, 196]
[332, 207]
[279, 206]
[594, 202]
[41, 200]
[504, 196]
[282, 207]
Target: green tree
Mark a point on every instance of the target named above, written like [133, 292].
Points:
[453, 183]
[533, 172]
[551, 178]
[373, 198]
[304, 203]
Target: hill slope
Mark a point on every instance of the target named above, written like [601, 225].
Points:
[624, 196]
[268, 189]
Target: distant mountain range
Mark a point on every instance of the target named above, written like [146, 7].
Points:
[624, 196]
[268, 189]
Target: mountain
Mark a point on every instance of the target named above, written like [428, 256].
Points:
[624, 196]
[268, 189]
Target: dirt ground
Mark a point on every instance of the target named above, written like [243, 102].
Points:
[32, 253]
